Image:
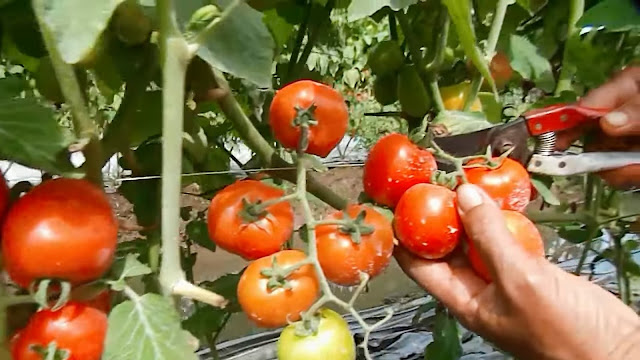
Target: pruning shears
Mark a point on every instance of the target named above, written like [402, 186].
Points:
[541, 124]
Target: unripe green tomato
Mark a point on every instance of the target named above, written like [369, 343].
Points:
[385, 89]
[333, 341]
[385, 58]
[413, 96]
[131, 24]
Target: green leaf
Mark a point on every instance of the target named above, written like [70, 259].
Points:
[130, 267]
[460, 12]
[359, 9]
[545, 192]
[351, 77]
[526, 60]
[147, 327]
[614, 15]
[593, 63]
[491, 107]
[629, 204]
[446, 341]
[198, 233]
[460, 122]
[241, 45]
[76, 25]
[280, 28]
[145, 197]
[30, 134]
[227, 287]
[577, 234]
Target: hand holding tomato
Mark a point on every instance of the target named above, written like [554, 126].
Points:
[532, 309]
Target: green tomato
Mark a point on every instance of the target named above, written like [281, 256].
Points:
[385, 89]
[385, 58]
[333, 341]
[413, 96]
[131, 24]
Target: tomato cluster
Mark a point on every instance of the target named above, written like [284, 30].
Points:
[62, 229]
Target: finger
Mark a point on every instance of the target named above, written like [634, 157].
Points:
[625, 120]
[616, 91]
[452, 282]
[484, 225]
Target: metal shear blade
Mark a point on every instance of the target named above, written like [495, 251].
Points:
[574, 164]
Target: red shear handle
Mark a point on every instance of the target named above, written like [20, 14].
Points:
[560, 117]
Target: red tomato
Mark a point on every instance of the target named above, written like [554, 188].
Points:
[524, 232]
[63, 229]
[342, 259]
[272, 308]
[4, 196]
[249, 239]
[394, 165]
[76, 327]
[426, 221]
[509, 184]
[331, 114]
[102, 301]
[501, 69]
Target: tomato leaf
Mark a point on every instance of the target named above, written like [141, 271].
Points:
[130, 267]
[76, 35]
[593, 63]
[198, 233]
[526, 60]
[460, 122]
[491, 107]
[614, 15]
[446, 341]
[279, 27]
[147, 327]
[30, 134]
[545, 192]
[226, 286]
[241, 44]
[577, 234]
[460, 11]
[359, 9]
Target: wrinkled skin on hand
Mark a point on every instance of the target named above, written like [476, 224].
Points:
[532, 309]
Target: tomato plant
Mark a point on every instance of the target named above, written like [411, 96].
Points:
[76, 328]
[426, 221]
[64, 229]
[507, 183]
[327, 116]
[524, 233]
[345, 251]
[385, 58]
[238, 222]
[287, 296]
[393, 165]
[332, 340]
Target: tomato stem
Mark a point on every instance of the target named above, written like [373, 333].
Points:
[433, 67]
[187, 289]
[576, 9]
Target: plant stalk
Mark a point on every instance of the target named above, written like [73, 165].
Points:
[576, 9]
[302, 31]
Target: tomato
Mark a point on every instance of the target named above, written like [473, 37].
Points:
[4, 196]
[509, 184]
[342, 259]
[63, 229]
[385, 89]
[413, 96]
[333, 340]
[331, 114]
[454, 97]
[501, 69]
[102, 301]
[263, 234]
[385, 58]
[77, 328]
[524, 233]
[130, 23]
[394, 165]
[272, 308]
[426, 221]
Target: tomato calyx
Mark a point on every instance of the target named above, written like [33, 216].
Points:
[308, 325]
[488, 161]
[253, 211]
[279, 275]
[356, 227]
[40, 292]
[304, 119]
[51, 351]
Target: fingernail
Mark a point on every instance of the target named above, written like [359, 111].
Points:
[468, 197]
[617, 119]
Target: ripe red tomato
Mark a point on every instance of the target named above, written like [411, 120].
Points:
[77, 328]
[4, 196]
[331, 114]
[426, 221]
[63, 229]
[524, 232]
[102, 301]
[272, 308]
[342, 259]
[501, 69]
[264, 235]
[509, 184]
[394, 165]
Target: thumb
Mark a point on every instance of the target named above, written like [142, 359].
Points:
[625, 120]
[485, 225]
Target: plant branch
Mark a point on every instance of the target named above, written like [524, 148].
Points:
[233, 111]
[187, 289]
[302, 31]
[313, 36]
[393, 27]
[84, 127]
[414, 45]
[441, 44]
[435, 94]
[598, 191]
[576, 9]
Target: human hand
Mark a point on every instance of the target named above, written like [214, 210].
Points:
[532, 309]
[620, 129]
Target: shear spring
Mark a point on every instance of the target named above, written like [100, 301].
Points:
[546, 143]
